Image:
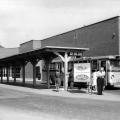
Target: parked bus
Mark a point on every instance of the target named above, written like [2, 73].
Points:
[111, 66]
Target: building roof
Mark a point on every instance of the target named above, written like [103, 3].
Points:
[47, 51]
[66, 48]
[6, 52]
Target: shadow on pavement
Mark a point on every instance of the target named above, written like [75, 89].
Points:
[77, 91]
[112, 88]
[29, 85]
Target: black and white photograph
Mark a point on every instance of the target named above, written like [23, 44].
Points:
[59, 59]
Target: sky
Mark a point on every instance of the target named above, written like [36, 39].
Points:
[24, 20]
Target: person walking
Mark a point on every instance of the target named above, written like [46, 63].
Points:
[100, 80]
[57, 80]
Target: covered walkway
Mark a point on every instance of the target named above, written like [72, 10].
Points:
[47, 54]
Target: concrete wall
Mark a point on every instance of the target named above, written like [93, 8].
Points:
[102, 38]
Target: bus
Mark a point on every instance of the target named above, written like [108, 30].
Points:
[111, 66]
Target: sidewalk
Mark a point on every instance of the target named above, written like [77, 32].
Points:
[69, 94]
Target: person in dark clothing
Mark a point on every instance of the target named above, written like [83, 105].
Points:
[71, 80]
[100, 81]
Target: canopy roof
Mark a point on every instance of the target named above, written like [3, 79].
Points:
[66, 48]
[47, 51]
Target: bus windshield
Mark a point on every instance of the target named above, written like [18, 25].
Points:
[115, 65]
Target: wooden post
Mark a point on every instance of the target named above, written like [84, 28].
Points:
[1, 74]
[48, 74]
[15, 74]
[66, 71]
[23, 73]
[65, 59]
[34, 75]
[34, 62]
[10, 71]
[7, 70]
[48, 60]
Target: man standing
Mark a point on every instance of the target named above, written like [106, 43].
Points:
[100, 80]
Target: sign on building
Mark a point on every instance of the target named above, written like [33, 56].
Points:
[82, 72]
[79, 54]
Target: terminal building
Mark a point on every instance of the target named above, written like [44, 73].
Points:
[31, 60]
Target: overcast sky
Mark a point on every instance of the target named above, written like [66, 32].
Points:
[24, 20]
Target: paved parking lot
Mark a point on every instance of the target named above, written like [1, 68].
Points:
[28, 103]
[111, 95]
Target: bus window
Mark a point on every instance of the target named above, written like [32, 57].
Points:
[94, 65]
[103, 64]
[115, 63]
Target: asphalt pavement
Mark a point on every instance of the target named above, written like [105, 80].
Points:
[23, 103]
[75, 93]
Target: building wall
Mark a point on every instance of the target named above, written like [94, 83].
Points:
[29, 70]
[119, 33]
[101, 38]
[29, 46]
